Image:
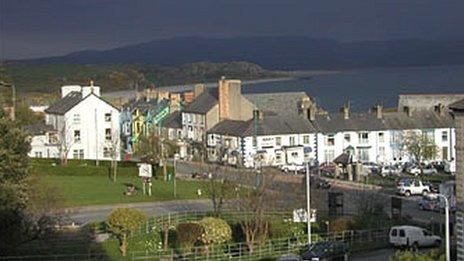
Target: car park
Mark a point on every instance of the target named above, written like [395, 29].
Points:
[413, 187]
[388, 170]
[426, 170]
[326, 251]
[293, 168]
[371, 167]
[411, 236]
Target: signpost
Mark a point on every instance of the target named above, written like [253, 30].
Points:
[146, 173]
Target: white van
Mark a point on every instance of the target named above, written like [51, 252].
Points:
[410, 236]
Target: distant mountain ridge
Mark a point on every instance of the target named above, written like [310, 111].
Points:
[279, 52]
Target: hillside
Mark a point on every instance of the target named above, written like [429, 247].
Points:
[46, 78]
[275, 52]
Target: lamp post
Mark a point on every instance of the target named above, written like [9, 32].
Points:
[176, 156]
[308, 203]
[13, 98]
[447, 229]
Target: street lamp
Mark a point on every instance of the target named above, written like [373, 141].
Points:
[13, 98]
[447, 230]
[308, 202]
[176, 157]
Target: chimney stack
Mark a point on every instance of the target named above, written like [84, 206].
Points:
[198, 89]
[440, 109]
[312, 112]
[258, 115]
[378, 109]
[407, 110]
[229, 96]
[345, 110]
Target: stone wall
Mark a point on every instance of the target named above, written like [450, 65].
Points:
[427, 101]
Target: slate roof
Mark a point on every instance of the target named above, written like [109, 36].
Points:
[276, 103]
[457, 106]
[269, 125]
[335, 122]
[204, 102]
[38, 128]
[390, 121]
[173, 120]
[65, 104]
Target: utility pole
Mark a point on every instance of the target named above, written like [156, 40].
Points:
[447, 228]
[308, 203]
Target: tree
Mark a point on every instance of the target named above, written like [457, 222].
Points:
[65, 141]
[13, 187]
[253, 203]
[218, 189]
[216, 231]
[25, 116]
[420, 147]
[114, 149]
[155, 150]
[122, 221]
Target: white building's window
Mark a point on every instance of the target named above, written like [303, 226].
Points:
[108, 117]
[77, 118]
[364, 154]
[77, 135]
[78, 154]
[278, 141]
[347, 137]
[292, 141]
[108, 134]
[38, 154]
[382, 152]
[363, 137]
[52, 138]
[106, 152]
[329, 155]
[381, 137]
[444, 136]
[305, 139]
[444, 153]
[330, 140]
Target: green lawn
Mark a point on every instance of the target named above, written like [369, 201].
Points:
[82, 183]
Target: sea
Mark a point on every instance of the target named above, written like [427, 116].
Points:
[362, 89]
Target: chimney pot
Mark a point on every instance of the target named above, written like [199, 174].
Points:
[346, 112]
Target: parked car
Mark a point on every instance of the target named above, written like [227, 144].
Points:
[289, 257]
[389, 170]
[327, 251]
[327, 168]
[293, 168]
[429, 203]
[371, 167]
[413, 187]
[426, 170]
[320, 183]
[411, 236]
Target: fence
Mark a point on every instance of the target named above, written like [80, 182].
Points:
[271, 248]
[93, 256]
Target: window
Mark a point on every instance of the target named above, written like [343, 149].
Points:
[305, 139]
[278, 141]
[108, 117]
[78, 154]
[402, 234]
[329, 155]
[294, 155]
[382, 152]
[381, 137]
[106, 152]
[444, 153]
[363, 137]
[52, 139]
[364, 154]
[77, 136]
[38, 154]
[77, 118]
[444, 136]
[255, 141]
[394, 232]
[292, 141]
[108, 134]
[330, 140]
[347, 137]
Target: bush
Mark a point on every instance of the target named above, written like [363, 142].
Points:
[189, 234]
[122, 221]
[434, 255]
[342, 224]
[281, 229]
[216, 231]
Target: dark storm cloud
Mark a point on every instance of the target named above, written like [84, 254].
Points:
[42, 28]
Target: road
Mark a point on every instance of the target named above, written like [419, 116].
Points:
[83, 215]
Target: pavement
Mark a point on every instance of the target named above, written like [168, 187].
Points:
[83, 215]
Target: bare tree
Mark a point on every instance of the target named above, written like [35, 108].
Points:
[420, 147]
[65, 141]
[219, 188]
[114, 150]
[253, 203]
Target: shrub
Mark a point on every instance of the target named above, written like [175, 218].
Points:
[280, 229]
[189, 234]
[434, 255]
[342, 224]
[216, 231]
[122, 221]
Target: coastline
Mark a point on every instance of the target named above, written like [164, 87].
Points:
[246, 83]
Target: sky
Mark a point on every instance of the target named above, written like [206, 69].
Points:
[39, 28]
